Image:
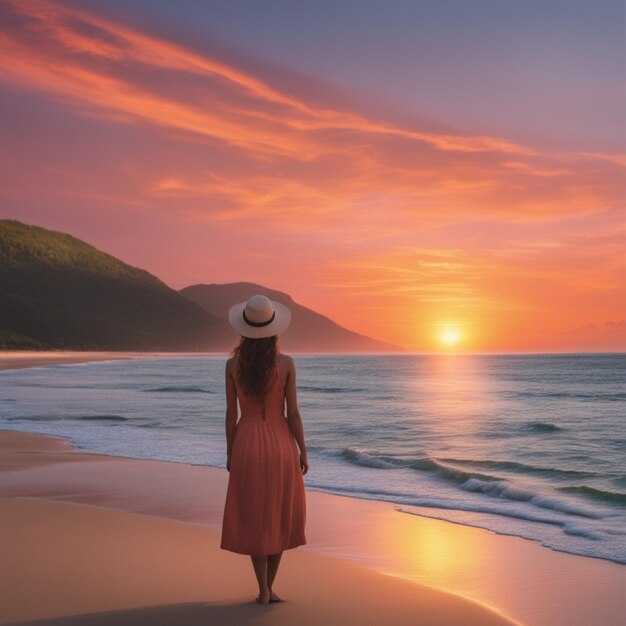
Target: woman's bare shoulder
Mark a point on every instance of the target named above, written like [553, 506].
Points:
[288, 361]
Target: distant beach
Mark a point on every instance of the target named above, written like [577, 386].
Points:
[20, 359]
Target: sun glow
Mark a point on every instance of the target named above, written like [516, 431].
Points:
[449, 337]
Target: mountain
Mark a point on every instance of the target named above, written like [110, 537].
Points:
[58, 292]
[309, 331]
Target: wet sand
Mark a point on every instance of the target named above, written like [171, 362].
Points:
[88, 563]
[97, 539]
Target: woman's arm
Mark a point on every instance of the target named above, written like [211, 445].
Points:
[293, 415]
[231, 412]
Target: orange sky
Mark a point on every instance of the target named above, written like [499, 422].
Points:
[200, 168]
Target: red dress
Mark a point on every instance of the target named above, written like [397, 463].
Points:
[265, 509]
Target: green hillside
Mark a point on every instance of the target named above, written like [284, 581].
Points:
[58, 292]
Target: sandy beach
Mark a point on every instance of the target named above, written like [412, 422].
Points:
[96, 539]
[17, 359]
[76, 563]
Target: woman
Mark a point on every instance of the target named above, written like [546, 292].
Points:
[265, 507]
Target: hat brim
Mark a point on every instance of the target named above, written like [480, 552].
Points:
[279, 324]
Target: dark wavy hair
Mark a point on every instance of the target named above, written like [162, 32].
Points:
[256, 364]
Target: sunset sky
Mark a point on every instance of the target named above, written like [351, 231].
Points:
[409, 169]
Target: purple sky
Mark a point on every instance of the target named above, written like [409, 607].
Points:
[549, 73]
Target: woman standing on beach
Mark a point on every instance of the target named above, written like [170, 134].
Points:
[265, 507]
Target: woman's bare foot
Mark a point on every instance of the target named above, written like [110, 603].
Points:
[274, 597]
[263, 597]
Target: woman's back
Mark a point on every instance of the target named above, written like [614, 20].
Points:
[272, 407]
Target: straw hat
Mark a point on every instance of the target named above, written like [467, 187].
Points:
[259, 317]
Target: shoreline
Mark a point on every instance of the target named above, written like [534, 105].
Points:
[511, 576]
[15, 359]
[22, 359]
[159, 569]
[423, 511]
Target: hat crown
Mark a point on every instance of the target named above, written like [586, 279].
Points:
[259, 317]
[259, 309]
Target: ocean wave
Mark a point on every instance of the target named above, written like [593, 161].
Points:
[574, 529]
[181, 389]
[522, 468]
[533, 427]
[556, 504]
[507, 491]
[593, 397]
[401, 499]
[487, 484]
[596, 494]
[500, 489]
[423, 463]
[541, 427]
[100, 418]
[61, 418]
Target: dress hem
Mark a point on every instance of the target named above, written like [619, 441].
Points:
[290, 547]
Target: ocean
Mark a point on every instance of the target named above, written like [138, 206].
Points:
[526, 445]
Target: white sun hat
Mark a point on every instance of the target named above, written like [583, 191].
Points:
[259, 317]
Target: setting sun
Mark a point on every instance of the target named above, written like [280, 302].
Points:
[450, 337]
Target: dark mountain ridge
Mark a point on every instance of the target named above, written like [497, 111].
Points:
[58, 292]
[308, 332]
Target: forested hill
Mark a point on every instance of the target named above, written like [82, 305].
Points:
[58, 292]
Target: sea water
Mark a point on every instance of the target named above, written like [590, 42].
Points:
[528, 445]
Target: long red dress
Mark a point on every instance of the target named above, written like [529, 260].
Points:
[265, 509]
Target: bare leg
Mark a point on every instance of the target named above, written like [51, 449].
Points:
[273, 561]
[260, 569]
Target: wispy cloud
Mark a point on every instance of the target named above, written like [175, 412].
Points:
[131, 77]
